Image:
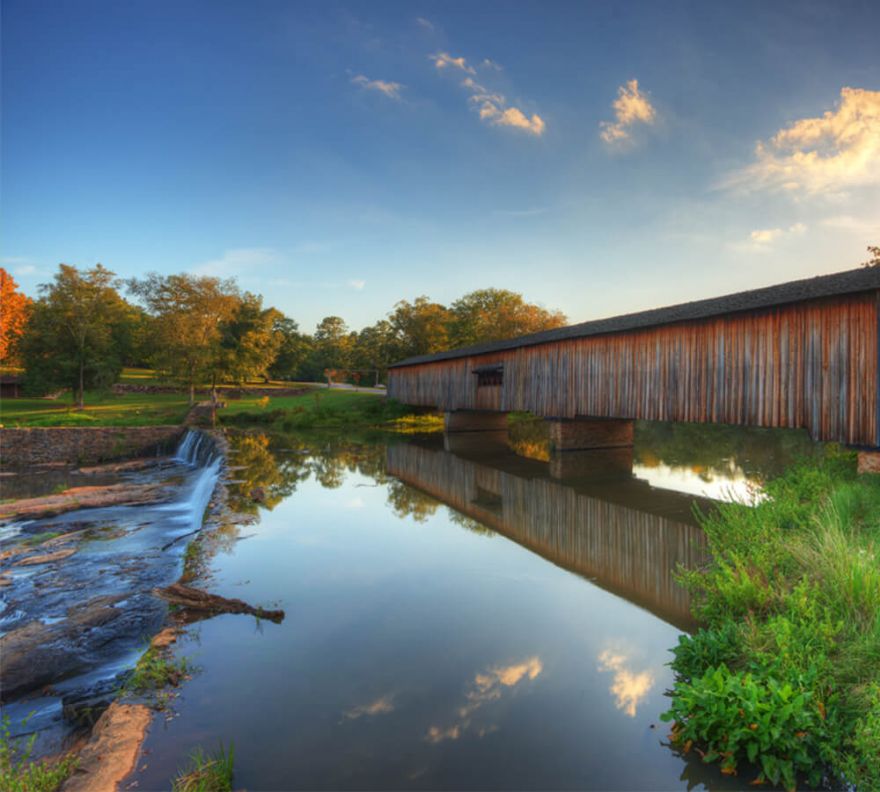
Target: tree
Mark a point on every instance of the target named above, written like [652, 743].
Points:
[874, 261]
[188, 313]
[249, 342]
[77, 333]
[376, 348]
[293, 348]
[420, 327]
[14, 307]
[496, 314]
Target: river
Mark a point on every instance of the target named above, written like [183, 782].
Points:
[459, 615]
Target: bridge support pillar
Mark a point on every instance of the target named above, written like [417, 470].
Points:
[869, 461]
[594, 464]
[473, 421]
[581, 434]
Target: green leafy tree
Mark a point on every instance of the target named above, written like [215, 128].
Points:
[79, 333]
[188, 316]
[249, 342]
[874, 261]
[420, 327]
[496, 314]
[293, 348]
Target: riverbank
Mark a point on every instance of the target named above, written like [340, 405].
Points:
[300, 408]
[782, 683]
[82, 589]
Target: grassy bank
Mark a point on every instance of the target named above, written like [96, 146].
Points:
[327, 409]
[782, 684]
[130, 409]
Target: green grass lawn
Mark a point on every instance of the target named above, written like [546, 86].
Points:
[326, 408]
[132, 409]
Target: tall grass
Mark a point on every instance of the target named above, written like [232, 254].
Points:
[790, 600]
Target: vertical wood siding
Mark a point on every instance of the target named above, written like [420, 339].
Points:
[626, 550]
[812, 365]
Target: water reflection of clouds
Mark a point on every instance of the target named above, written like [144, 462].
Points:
[629, 688]
[729, 485]
[486, 687]
[381, 706]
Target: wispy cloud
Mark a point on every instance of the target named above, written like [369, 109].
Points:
[838, 150]
[764, 236]
[387, 87]
[858, 225]
[630, 108]
[491, 105]
[443, 60]
[427, 24]
[357, 284]
[236, 262]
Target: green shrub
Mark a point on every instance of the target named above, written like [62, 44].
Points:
[19, 773]
[777, 726]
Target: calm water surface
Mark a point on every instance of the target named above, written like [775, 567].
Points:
[457, 616]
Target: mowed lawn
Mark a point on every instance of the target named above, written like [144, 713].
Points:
[149, 409]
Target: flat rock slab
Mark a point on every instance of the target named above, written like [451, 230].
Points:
[123, 467]
[112, 751]
[83, 498]
[46, 558]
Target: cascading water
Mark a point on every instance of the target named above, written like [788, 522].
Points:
[122, 554]
[196, 450]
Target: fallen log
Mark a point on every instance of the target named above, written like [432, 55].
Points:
[195, 599]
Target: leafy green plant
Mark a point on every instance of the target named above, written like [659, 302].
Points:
[20, 773]
[778, 726]
[207, 773]
[156, 669]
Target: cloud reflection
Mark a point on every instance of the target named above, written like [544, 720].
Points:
[627, 687]
[486, 687]
[381, 706]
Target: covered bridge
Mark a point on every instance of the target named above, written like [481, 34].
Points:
[802, 354]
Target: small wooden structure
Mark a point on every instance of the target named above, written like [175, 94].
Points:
[802, 355]
[10, 386]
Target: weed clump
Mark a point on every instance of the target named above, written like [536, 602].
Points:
[207, 773]
[20, 773]
[783, 679]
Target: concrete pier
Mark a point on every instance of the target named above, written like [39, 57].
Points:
[582, 434]
[474, 421]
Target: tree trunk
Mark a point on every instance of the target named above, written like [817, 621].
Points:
[192, 388]
[80, 398]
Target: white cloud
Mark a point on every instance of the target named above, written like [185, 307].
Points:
[390, 89]
[492, 106]
[631, 107]
[427, 24]
[25, 269]
[237, 261]
[838, 150]
[488, 63]
[858, 225]
[443, 60]
[764, 236]
[357, 284]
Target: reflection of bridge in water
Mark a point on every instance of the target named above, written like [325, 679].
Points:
[599, 521]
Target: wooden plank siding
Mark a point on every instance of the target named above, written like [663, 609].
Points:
[628, 550]
[811, 364]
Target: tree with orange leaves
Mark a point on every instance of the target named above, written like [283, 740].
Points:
[13, 316]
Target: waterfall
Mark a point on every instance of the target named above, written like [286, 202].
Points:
[199, 451]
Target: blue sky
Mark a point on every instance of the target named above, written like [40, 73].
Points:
[337, 157]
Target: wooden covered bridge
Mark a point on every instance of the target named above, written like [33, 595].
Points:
[802, 354]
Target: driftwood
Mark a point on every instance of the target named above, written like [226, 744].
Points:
[197, 600]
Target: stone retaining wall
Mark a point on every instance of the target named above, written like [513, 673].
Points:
[224, 393]
[81, 445]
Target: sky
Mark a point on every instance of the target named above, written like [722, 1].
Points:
[598, 158]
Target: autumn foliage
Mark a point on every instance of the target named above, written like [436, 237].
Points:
[13, 316]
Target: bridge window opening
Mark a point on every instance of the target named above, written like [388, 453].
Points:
[491, 375]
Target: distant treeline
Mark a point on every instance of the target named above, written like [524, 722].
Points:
[196, 330]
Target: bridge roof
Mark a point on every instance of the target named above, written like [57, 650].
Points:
[839, 283]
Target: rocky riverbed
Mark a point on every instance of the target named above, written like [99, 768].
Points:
[78, 570]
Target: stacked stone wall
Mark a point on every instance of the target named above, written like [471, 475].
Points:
[81, 445]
